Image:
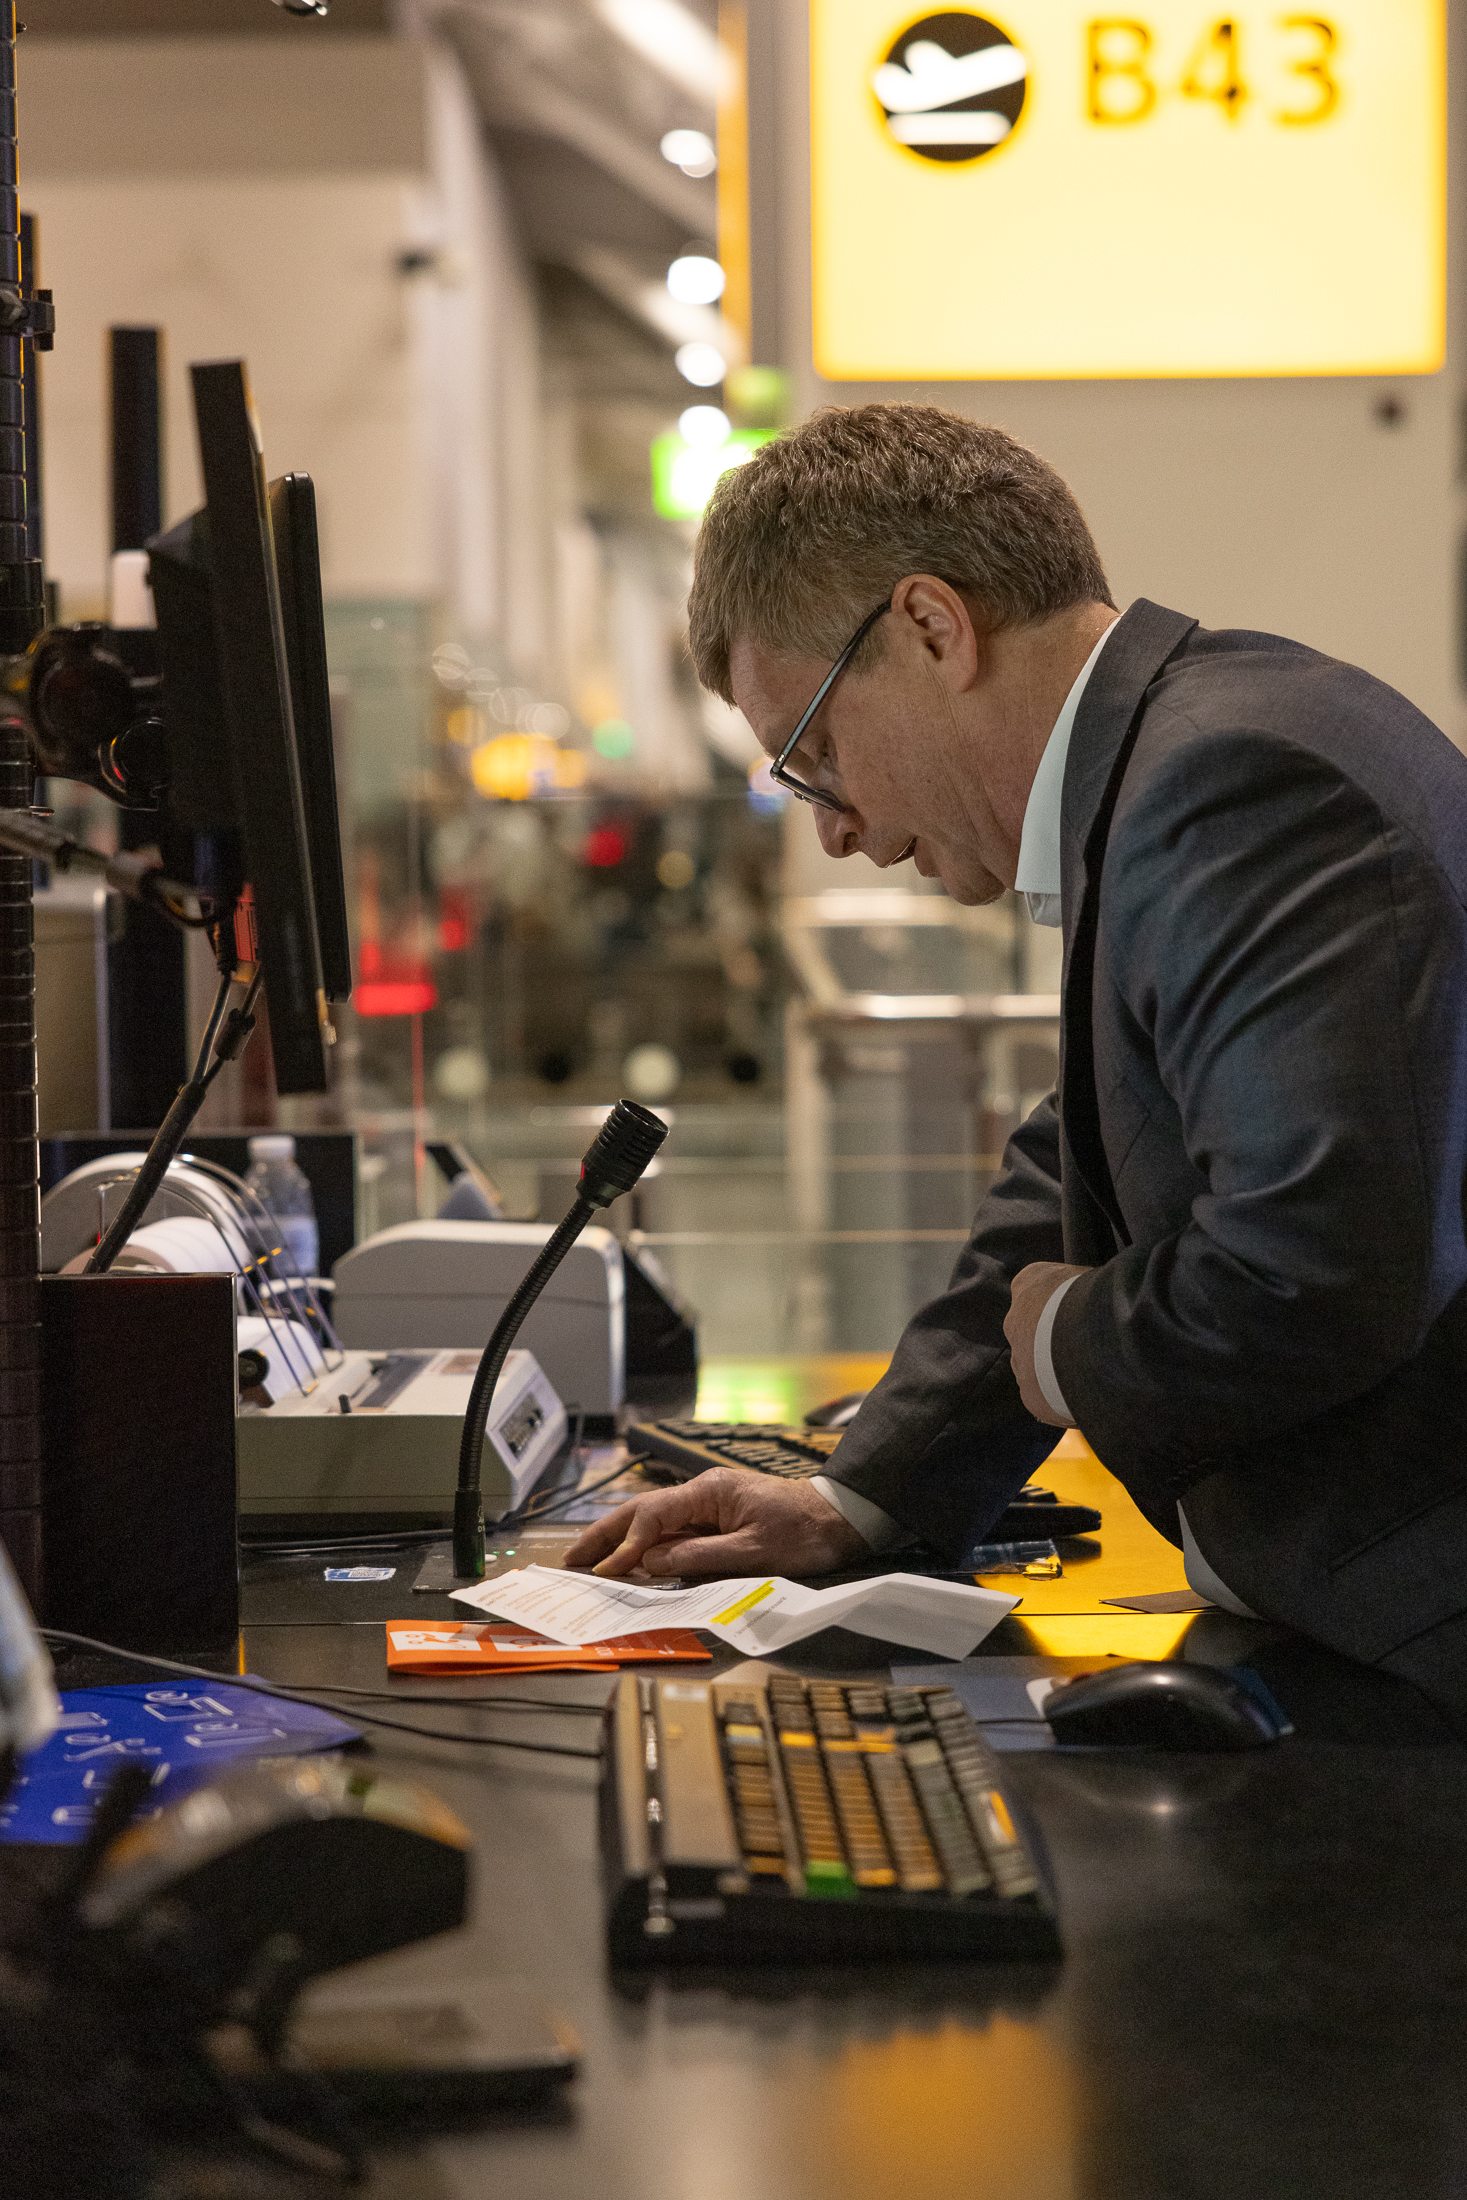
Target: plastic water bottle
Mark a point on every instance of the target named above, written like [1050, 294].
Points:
[275, 1177]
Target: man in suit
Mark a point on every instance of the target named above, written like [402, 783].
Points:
[1231, 1247]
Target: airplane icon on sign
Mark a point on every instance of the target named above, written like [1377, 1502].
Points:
[918, 93]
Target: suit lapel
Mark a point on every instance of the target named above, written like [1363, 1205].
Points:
[1109, 719]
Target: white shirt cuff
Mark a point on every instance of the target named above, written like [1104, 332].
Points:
[1201, 1576]
[877, 1528]
[1044, 1373]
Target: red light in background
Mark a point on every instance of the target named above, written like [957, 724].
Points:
[455, 923]
[604, 848]
[395, 997]
[369, 958]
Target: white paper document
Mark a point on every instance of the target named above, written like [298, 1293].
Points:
[758, 1614]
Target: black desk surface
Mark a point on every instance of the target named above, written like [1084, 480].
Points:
[1264, 1991]
[1264, 1994]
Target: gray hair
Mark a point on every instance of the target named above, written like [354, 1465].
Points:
[800, 543]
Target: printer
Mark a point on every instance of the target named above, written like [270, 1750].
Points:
[444, 1283]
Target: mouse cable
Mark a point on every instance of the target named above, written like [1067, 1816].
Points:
[481, 1703]
[527, 1704]
[296, 1695]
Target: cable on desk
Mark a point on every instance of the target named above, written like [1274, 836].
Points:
[297, 1695]
[529, 1516]
[265, 1547]
[456, 1703]
[484, 1703]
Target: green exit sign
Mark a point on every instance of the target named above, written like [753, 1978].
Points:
[684, 474]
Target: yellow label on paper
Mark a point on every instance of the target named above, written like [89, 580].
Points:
[745, 1604]
[1032, 189]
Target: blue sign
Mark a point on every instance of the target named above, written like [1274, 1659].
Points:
[183, 1731]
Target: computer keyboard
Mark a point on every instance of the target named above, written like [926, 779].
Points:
[676, 1450]
[765, 1446]
[751, 1821]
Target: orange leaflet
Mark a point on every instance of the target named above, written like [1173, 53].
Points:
[497, 1646]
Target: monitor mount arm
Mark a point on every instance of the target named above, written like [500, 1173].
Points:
[27, 833]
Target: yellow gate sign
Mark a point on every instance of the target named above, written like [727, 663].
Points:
[1049, 188]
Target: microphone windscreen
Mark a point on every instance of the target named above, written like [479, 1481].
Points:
[619, 1153]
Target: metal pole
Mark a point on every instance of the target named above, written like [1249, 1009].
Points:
[30, 268]
[22, 615]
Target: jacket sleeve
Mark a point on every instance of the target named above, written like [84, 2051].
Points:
[944, 1440]
[1298, 966]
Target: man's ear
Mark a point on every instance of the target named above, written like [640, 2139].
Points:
[934, 618]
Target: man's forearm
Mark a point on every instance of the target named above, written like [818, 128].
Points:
[944, 1440]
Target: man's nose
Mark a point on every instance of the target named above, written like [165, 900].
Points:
[839, 833]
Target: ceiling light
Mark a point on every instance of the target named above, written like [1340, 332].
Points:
[695, 280]
[690, 150]
[701, 364]
[704, 426]
[673, 40]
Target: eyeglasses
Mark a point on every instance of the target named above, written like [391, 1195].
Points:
[777, 770]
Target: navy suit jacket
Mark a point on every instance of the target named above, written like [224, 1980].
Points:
[1257, 1147]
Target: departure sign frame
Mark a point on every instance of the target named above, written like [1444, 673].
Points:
[1053, 189]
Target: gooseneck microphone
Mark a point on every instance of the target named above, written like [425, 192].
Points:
[618, 1154]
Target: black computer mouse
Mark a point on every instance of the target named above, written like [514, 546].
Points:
[1168, 1705]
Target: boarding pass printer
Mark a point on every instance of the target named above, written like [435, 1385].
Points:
[445, 1284]
[374, 1437]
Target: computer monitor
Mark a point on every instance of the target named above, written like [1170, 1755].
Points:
[248, 775]
[298, 562]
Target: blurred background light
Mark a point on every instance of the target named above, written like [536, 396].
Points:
[613, 739]
[461, 1074]
[695, 280]
[394, 996]
[652, 1072]
[704, 425]
[676, 869]
[455, 923]
[685, 474]
[514, 767]
[691, 150]
[760, 397]
[765, 798]
[701, 364]
[604, 847]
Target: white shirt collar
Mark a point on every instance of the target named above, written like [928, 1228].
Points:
[1038, 875]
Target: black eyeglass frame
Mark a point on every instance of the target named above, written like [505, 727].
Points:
[778, 770]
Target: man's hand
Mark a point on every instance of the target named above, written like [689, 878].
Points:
[726, 1521]
[1033, 1287]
